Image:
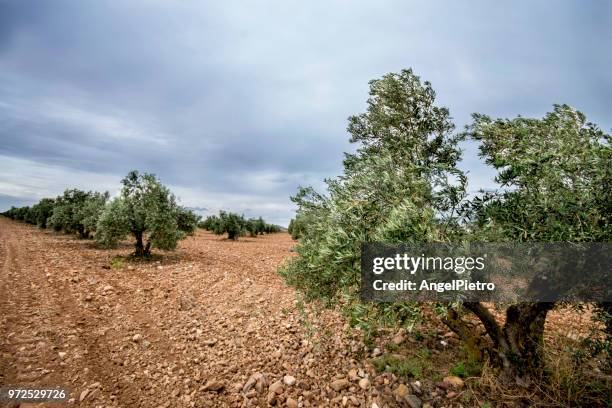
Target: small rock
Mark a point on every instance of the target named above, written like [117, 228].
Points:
[146, 344]
[94, 385]
[353, 375]
[339, 385]
[107, 288]
[454, 381]
[376, 352]
[276, 387]
[62, 354]
[291, 403]
[398, 339]
[83, 395]
[210, 343]
[213, 385]
[443, 385]
[401, 391]
[289, 380]
[137, 337]
[251, 382]
[451, 394]
[413, 401]
[364, 383]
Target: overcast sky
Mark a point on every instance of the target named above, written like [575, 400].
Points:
[233, 104]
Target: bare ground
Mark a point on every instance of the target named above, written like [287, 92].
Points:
[188, 329]
[208, 325]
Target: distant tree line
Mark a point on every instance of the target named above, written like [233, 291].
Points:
[235, 225]
[145, 209]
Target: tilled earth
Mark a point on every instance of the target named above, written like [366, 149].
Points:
[208, 325]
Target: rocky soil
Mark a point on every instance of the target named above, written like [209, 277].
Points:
[208, 325]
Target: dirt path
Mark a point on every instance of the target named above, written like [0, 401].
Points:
[187, 330]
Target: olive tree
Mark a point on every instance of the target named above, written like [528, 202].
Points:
[77, 211]
[229, 223]
[556, 177]
[42, 211]
[297, 225]
[148, 211]
[402, 185]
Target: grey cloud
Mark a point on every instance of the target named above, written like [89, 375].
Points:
[238, 103]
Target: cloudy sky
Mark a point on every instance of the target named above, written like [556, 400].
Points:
[234, 104]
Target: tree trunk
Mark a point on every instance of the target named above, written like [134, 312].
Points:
[139, 247]
[523, 333]
[83, 233]
[516, 348]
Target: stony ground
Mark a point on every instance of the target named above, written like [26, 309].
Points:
[208, 325]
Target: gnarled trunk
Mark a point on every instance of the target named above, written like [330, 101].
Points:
[516, 347]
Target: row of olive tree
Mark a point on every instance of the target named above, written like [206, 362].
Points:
[403, 185]
[74, 212]
[145, 209]
[236, 226]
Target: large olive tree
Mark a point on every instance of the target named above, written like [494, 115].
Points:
[148, 211]
[402, 185]
[556, 178]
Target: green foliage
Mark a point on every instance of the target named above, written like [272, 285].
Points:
[19, 213]
[297, 225]
[209, 223]
[42, 211]
[255, 226]
[556, 173]
[147, 210]
[236, 226]
[187, 221]
[400, 185]
[77, 211]
[465, 369]
[117, 263]
[229, 223]
[90, 211]
[400, 366]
